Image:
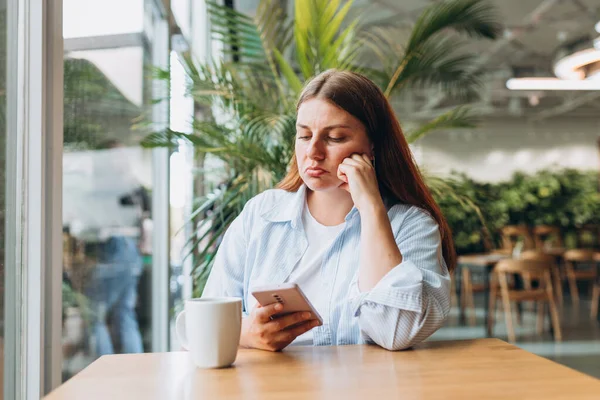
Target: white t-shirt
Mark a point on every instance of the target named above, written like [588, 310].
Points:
[307, 274]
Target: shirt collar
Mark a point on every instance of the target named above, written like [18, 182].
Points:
[291, 210]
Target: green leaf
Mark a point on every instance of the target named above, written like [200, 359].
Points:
[288, 72]
[429, 51]
[460, 117]
[475, 18]
[332, 26]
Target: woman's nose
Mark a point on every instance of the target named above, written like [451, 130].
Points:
[314, 150]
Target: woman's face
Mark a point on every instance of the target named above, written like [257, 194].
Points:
[325, 135]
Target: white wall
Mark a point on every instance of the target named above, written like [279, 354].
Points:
[499, 147]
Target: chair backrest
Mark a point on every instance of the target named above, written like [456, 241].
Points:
[542, 233]
[579, 255]
[511, 234]
[538, 255]
[534, 267]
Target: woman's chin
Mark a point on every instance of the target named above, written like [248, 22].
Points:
[320, 185]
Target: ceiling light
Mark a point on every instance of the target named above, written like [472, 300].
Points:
[576, 65]
[552, 84]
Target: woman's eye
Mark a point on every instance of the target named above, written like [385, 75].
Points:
[303, 137]
[336, 140]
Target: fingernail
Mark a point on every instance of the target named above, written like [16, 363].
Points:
[278, 307]
[306, 315]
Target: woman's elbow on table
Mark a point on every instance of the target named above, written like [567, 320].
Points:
[406, 329]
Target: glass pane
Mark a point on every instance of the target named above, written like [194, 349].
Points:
[84, 18]
[107, 184]
[181, 182]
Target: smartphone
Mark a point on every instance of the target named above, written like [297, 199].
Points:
[289, 295]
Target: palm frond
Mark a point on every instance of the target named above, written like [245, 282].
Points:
[321, 43]
[385, 43]
[459, 117]
[236, 31]
[475, 18]
[437, 65]
[165, 138]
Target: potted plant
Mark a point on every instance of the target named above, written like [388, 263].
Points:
[252, 88]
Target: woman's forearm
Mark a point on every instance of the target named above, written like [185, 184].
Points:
[379, 251]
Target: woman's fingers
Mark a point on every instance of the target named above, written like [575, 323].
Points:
[342, 172]
[286, 321]
[362, 160]
[287, 336]
[264, 314]
[368, 160]
[353, 162]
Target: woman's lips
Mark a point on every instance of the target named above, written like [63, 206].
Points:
[315, 171]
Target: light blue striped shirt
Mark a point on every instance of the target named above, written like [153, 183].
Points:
[267, 240]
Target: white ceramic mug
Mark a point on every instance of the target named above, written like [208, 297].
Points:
[210, 328]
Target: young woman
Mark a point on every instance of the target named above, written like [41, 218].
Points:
[352, 223]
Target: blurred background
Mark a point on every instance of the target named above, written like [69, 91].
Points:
[176, 112]
[497, 158]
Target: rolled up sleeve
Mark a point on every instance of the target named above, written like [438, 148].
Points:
[411, 301]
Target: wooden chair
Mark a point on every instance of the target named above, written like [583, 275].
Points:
[543, 233]
[528, 269]
[595, 292]
[573, 260]
[511, 234]
[539, 255]
[595, 299]
[453, 297]
[467, 290]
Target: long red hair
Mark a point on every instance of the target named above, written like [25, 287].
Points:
[398, 176]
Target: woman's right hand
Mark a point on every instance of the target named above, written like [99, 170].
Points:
[259, 331]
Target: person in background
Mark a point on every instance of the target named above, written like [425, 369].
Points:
[113, 286]
[353, 224]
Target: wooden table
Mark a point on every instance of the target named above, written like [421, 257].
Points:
[470, 369]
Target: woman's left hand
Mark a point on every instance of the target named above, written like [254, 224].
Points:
[358, 173]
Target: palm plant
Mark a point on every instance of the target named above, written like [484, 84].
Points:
[253, 87]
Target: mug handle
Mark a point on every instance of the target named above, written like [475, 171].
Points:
[180, 328]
